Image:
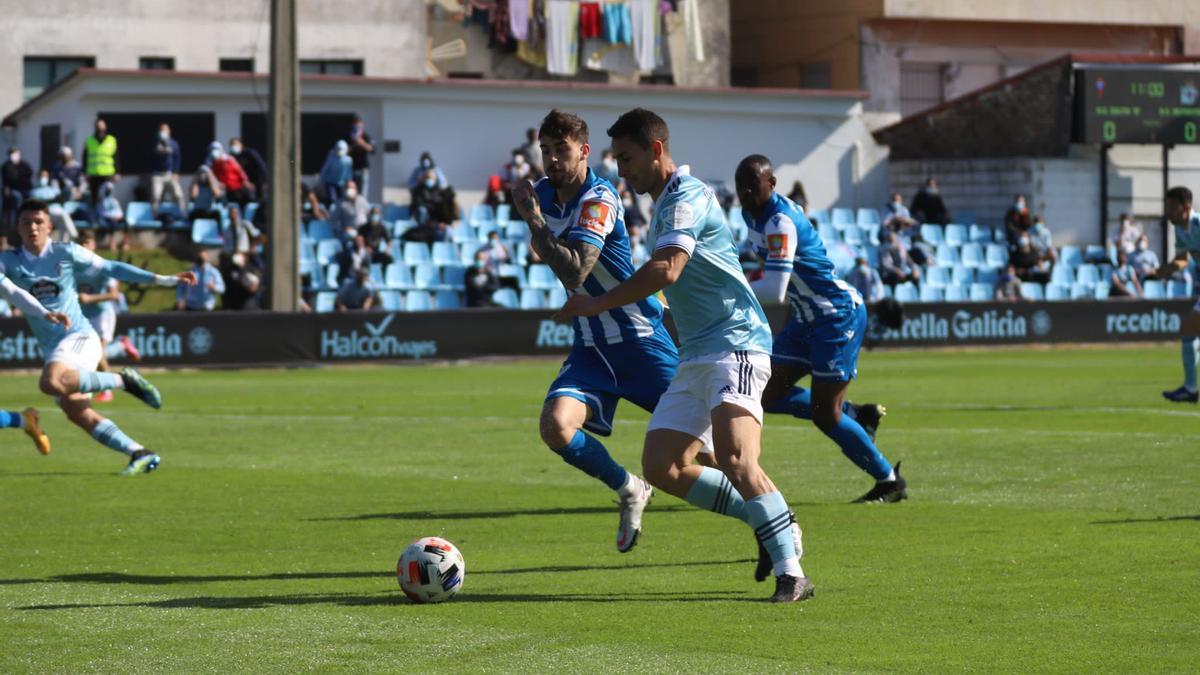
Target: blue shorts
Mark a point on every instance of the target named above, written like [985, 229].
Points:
[829, 347]
[638, 371]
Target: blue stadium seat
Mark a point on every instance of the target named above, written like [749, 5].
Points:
[504, 214]
[417, 301]
[972, 255]
[376, 275]
[319, 230]
[947, 255]
[980, 234]
[938, 277]
[484, 229]
[996, 255]
[248, 213]
[506, 297]
[1070, 255]
[1088, 274]
[466, 252]
[1057, 291]
[307, 250]
[1032, 290]
[842, 257]
[326, 302]
[819, 216]
[533, 299]
[416, 252]
[172, 216]
[932, 234]
[393, 211]
[514, 230]
[1101, 290]
[1062, 274]
[842, 218]
[966, 217]
[932, 293]
[1098, 254]
[1082, 291]
[955, 234]
[425, 276]
[140, 216]
[454, 277]
[962, 275]
[332, 272]
[513, 271]
[444, 253]
[401, 226]
[828, 233]
[447, 300]
[987, 275]
[206, 232]
[1153, 289]
[1179, 289]
[397, 276]
[906, 292]
[480, 214]
[391, 301]
[956, 293]
[853, 235]
[557, 297]
[327, 250]
[541, 276]
[868, 218]
[982, 292]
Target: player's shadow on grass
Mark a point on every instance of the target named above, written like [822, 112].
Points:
[1133, 521]
[480, 515]
[163, 580]
[398, 599]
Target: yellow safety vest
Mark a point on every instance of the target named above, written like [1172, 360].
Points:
[102, 156]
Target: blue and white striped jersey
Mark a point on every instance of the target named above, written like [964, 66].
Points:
[711, 303]
[597, 217]
[786, 241]
[1188, 239]
[50, 276]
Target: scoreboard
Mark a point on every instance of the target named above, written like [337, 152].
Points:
[1137, 105]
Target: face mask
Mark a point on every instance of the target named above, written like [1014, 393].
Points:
[1020, 205]
[341, 152]
[376, 218]
[43, 181]
[14, 157]
[518, 160]
[426, 163]
[235, 149]
[1143, 246]
[610, 164]
[163, 135]
[864, 268]
[429, 182]
[351, 194]
[215, 154]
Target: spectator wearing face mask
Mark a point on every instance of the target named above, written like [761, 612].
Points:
[1017, 220]
[426, 164]
[361, 149]
[1043, 240]
[201, 296]
[253, 164]
[375, 232]
[894, 264]
[533, 151]
[16, 176]
[356, 293]
[241, 236]
[1144, 260]
[516, 171]
[1028, 261]
[495, 192]
[927, 205]
[897, 217]
[435, 208]
[69, 174]
[337, 171]
[45, 188]
[1008, 285]
[1124, 279]
[164, 170]
[1128, 235]
[608, 167]
[234, 181]
[100, 160]
[206, 193]
[357, 255]
[481, 282]
[350, 212]
[242, 280]
[111, 216]
[867, 280]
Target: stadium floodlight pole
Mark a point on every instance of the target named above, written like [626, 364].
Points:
[283, 153]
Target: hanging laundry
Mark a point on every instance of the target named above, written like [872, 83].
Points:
[598, 54]
[618, 28]
[645, 20]
[499, 35]
[692, 30]
[589, 20]
[518, 18]
[562, 37]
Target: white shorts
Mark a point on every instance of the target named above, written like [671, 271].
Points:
[705, 382]
[105, 323]
[81, 351]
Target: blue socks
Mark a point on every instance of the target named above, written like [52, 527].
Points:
[1190, 354]
[107, 433]
[772, 523]
[713, 491]
[91, 382]
[10, 419]
[798, 403]
[856, 445]
[590, 456]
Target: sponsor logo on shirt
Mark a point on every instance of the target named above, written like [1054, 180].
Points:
[777, 245]
[593, 217]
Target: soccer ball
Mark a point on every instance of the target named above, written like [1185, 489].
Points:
[431, 570]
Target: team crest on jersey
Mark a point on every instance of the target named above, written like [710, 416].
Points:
[593, 216]
[44, 290]
[776, 244]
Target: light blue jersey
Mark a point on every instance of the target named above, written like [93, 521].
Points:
[96, 284]
[51, 278]
[787, 242]
[597, 217]
[714, 309]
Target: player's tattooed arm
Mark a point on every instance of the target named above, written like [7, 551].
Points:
[571, 261]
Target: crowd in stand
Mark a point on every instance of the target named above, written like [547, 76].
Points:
[359, 255]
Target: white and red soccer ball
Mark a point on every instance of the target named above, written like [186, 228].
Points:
[431, 569]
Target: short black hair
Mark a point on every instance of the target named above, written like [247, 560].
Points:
[1180, 194]
[642, 127]
[33, 205]
[754, 163]
[563, 125]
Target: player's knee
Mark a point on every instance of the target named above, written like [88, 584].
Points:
[826, 418]
[556, 432]
[51, 385]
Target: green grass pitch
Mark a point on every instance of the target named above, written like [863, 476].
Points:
[1053, 525]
